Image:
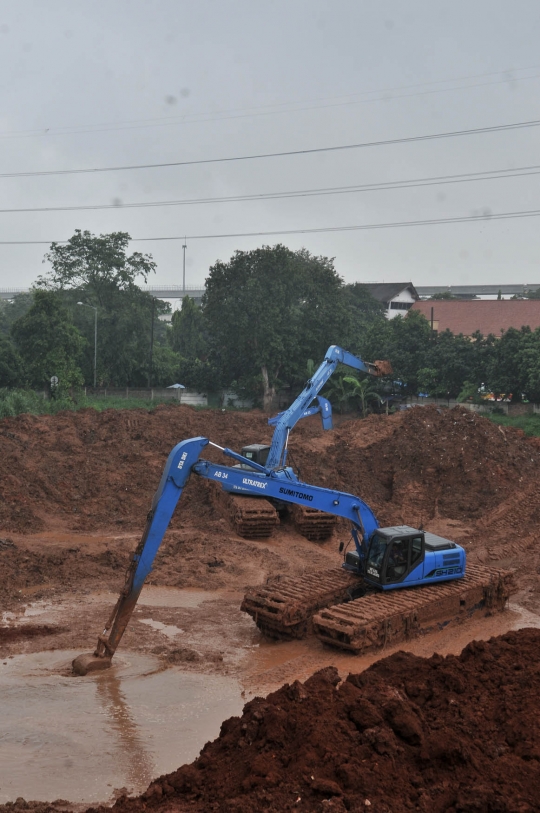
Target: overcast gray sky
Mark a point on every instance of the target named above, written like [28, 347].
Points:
[113, 82]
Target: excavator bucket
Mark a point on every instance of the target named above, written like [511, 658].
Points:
[383, 368]
[89, 662]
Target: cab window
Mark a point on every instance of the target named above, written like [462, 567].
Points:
[416, 549]
[398, 560]
[377, 549]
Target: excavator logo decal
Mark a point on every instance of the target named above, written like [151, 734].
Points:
[444, 571]
[300, 494]
[182, 460]
[247, 482]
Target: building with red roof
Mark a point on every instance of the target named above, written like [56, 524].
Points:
[485, 315]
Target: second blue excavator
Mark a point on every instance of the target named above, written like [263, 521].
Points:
[256, 517]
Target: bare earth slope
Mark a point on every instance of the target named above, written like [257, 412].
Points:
[81, 473]
[439, 735]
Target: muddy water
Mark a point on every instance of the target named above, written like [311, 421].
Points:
[82, 739]
[269, 665]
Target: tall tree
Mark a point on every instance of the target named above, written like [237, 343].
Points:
[98, 271]
[405, 342]
[12, 372]
[364, 312]
[453, 358]
[188, 331]
[49, 343]
[268, 311]
[13, 309]
[98, 265]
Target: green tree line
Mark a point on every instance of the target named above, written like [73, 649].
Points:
[264, 314]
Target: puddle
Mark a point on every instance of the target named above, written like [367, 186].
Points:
[80, 738]
[167, 629]
[36, 608]
[270, 664]
[174, 597]
[152, 596]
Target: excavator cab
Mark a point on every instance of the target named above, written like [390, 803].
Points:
[391, 558]
[257, 452]
[401, 556]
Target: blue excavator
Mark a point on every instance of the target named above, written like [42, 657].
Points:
[256, 518]
[395, 582]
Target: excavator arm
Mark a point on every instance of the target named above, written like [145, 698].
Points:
[300, 408]
[260, 481]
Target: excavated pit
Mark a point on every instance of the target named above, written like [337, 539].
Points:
[74, 492]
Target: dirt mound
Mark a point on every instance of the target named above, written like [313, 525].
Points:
[94, 469]
[88, 471]
[425, 462]
[439, 734]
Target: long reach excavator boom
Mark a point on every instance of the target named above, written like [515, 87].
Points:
[383, 559]
[300, 407]
[256, 518]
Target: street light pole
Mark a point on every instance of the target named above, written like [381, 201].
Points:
[184, 266]
[95, 337]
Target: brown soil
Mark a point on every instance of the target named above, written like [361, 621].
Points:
[10, 634]
[439, 734]
[74, 492]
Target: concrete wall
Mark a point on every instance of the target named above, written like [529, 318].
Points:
[188, 397]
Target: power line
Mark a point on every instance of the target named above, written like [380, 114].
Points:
[411, 183]
[341, 147]
[481, 216]
[269, 110]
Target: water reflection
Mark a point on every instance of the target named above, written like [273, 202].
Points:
[138, 765]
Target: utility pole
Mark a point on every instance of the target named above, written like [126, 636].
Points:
[184, 266]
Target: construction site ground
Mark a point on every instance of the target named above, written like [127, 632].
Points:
[75, 489]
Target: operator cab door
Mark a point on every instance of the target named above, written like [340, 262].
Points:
[403, 556]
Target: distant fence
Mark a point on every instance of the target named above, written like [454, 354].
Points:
[186, 397]
[488, 406]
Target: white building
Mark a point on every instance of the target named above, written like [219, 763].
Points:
[397, 297]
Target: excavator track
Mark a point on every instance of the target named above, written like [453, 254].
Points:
[284, 607]
[250, 517]
[380, 619]
[314, 525]
[321, 603]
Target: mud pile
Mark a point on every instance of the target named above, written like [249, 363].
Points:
[424, 462]
[441, 735]
[96, 470]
